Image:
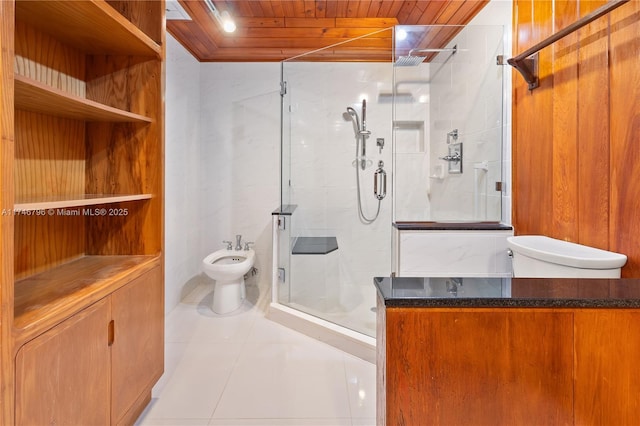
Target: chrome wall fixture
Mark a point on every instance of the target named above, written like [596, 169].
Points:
[223, 19]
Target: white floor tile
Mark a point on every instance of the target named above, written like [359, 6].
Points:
[194, 388]
[243, 369]
[290, 380]
[361, 386]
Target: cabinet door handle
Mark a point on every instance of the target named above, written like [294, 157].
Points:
[111, 332]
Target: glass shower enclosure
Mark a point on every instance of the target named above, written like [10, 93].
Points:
[336, 183]
[369, 144]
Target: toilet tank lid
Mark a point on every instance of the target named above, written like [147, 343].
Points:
[565, 253]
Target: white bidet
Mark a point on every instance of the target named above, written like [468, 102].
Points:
[228, 268]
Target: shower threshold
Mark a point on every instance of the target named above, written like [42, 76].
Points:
[345, 339]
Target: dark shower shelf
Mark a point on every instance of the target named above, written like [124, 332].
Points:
[315, 245]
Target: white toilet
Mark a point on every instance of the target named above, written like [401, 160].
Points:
[228, 268]
[537, 256]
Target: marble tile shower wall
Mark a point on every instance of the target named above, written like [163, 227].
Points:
[182, 168]
[466, 94]
[323, 147]
[239, 157]
[412, 183]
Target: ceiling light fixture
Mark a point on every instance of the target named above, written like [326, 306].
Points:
[224, 19]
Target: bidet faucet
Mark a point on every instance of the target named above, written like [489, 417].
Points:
[229, 245]
[238, 242]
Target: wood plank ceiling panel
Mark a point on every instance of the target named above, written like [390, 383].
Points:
[277, 30]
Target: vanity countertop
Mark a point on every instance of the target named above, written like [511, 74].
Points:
[452, 226]
[430, 292]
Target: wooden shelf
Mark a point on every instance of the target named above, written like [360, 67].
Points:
[31, 95]
[92, 26]
[49, 297]
[59, 202]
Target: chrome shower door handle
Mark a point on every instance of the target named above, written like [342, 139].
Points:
[380, 182]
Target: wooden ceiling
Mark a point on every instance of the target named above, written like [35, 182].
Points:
[278, 30]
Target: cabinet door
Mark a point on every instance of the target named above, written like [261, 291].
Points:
[607, 381]
[62, 376]
[460, 367]
[138, 348]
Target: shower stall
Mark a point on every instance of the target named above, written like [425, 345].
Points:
[365, 145]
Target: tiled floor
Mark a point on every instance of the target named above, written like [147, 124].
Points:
[243, 369]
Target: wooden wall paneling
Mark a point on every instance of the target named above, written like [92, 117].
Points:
[6, 205]
[565, 125]
[533, 126]
[624, 229]
[496, 377]
[593, 130]
[607, 379]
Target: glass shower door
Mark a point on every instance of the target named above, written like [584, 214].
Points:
[338, 237]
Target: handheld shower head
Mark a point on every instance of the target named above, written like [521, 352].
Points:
[352, 112]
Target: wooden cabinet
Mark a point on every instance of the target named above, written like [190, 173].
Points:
[137, 356]
[81, 187]
[98, 366]
[53, 367]
[507, 366]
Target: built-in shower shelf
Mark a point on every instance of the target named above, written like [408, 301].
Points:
[315, 245]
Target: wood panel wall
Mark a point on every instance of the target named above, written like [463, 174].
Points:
[576, 138]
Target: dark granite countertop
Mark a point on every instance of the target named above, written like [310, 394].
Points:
[452, 226]
[509, 292]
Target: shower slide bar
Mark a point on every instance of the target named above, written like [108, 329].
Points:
[527, 62]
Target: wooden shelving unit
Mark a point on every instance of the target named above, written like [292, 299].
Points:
[82, 200]
[31, 95]
[92, 26]
[81, 192]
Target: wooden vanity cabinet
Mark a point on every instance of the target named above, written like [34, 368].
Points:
[507, 366]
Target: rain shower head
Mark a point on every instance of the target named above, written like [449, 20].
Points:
[412, 60]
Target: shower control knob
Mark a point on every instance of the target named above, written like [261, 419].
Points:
[455, 157]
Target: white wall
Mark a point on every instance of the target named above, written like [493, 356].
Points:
[222, 164]
[182, 189]
[239, 158]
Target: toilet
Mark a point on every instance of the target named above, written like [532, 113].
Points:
[538, 256]
[228, 268]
